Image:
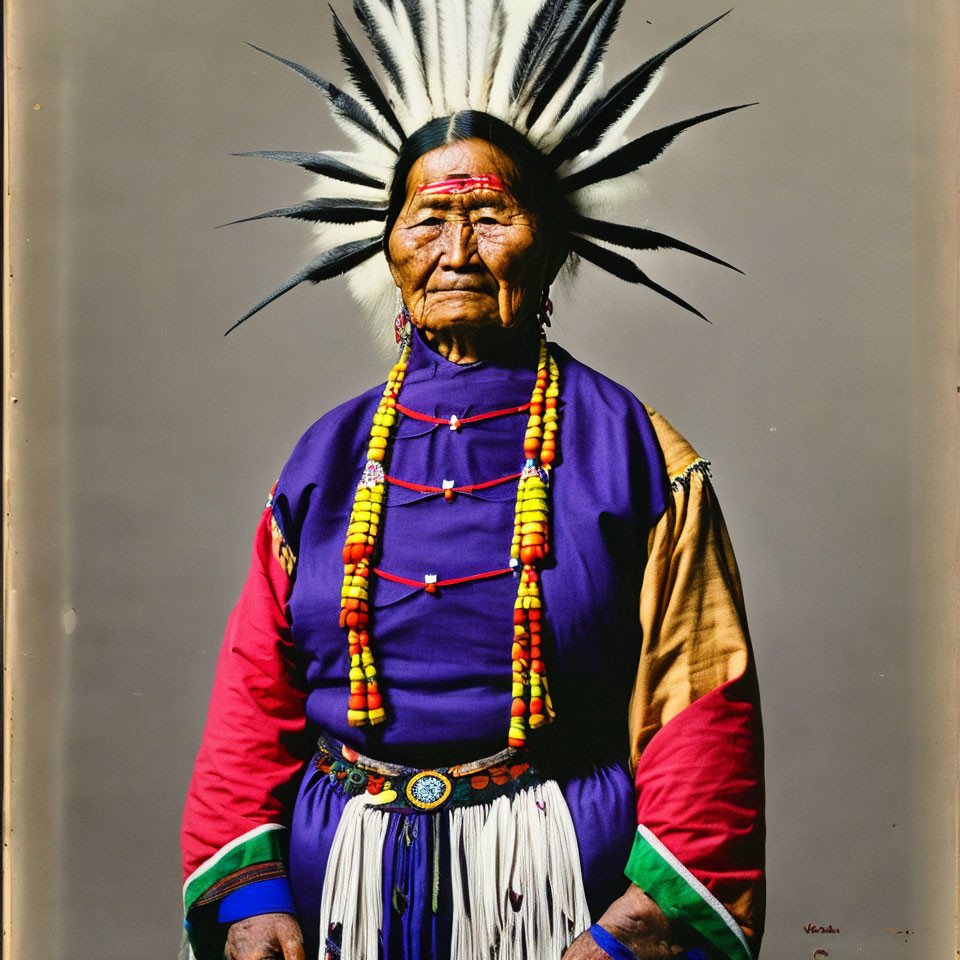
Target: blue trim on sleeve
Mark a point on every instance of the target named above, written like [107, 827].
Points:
[263, 896]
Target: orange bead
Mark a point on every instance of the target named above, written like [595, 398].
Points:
[374, 700]
[358, 702]
[518, 709]
[530, 446]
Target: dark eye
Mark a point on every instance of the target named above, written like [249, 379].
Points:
[429, 222]
[488, 221]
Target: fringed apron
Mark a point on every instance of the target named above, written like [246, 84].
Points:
[491, 841]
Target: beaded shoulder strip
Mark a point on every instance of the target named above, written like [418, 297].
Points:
[531, 706]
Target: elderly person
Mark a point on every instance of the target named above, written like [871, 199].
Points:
[490, 666]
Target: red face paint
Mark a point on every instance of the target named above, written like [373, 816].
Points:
[463, 185]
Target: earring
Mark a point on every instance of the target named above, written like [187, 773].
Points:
[546, 309]
[401, 325]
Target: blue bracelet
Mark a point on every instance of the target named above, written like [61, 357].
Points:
[610, 945]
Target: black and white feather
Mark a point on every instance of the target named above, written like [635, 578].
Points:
[537, 65]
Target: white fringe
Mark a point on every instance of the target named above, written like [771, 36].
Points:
[514, 869]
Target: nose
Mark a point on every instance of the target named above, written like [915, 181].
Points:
[459, 244]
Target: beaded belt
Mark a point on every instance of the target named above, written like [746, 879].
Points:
[413, 790]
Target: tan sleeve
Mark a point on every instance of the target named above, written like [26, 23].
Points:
[691, 605]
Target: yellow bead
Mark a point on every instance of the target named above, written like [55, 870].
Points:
[356, 673]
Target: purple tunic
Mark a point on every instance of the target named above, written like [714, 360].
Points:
[444, 660]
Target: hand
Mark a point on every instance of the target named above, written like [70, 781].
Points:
[267, 936]
[637, 922]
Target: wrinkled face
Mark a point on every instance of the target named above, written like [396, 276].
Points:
[467, 254]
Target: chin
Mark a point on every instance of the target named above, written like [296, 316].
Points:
[466, 312]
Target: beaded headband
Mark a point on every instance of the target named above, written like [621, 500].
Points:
[534, 64]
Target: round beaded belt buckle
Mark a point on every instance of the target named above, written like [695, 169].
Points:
[428, 790]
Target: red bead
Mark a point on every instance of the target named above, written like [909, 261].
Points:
[374, 700]
[358, 702]
[536, 705]
[530, 446]
[430, 588]
[518, 709]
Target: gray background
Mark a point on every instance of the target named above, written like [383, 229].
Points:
[141, 443]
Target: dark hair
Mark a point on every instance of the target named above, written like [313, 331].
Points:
[536, 187]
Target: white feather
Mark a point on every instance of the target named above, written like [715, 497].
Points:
[406, 52]
[452, 23]
[373, 288]
[553, 135]
[605, 199]
[382, 21]
[433, 59]
[482, 16]
[519, 14]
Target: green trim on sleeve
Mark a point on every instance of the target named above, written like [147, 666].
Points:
[264, 846]
[681, 896]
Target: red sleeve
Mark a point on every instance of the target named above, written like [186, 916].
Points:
[254, 743]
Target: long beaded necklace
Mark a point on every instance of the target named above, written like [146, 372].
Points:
[531, 706]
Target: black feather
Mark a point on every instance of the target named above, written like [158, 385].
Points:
[607, 110]
[318, 163]
[415, 16]
[639, 238]
[345, 105]
[599, 25]
[380, 45]
[331, 263]
[362, 76]
[604, 31]
[326, 210]
[551, 22]
[638, 152]
[625, 269]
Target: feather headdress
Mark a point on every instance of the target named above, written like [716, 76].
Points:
[534, 64]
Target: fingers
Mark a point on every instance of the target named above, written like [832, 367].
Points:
[293, 948]
[265, 937]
